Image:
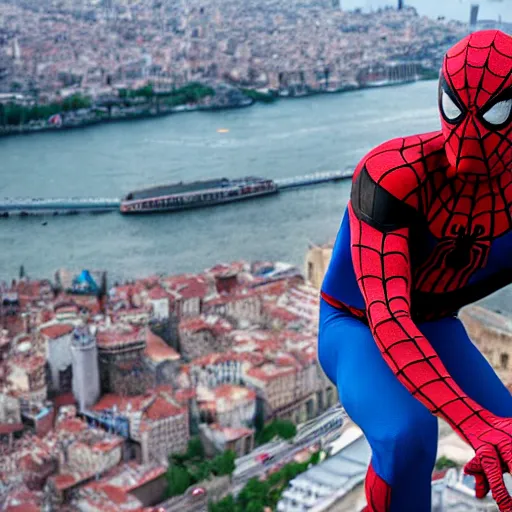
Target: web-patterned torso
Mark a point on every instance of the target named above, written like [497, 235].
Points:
[461, 229]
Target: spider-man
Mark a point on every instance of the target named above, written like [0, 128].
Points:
[428, 229]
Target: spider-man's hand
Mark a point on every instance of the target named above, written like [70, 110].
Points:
[491, 438]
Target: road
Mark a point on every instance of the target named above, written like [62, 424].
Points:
[317, 430]
[308, 434]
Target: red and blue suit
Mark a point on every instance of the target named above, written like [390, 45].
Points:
[427, 230]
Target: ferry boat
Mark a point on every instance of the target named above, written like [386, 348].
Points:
[196, 194]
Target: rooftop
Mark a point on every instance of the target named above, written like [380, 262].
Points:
[108, 498]
[157, 350]
[56, 330]
[154, 405]
[270, 371]
[211, 323]
[131, 475]
[119, 335]
[230, 434]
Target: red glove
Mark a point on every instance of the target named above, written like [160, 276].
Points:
[491, 438]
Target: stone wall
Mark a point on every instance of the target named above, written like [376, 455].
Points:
[492, 334]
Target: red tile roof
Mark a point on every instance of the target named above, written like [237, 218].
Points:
[119, 334]
[108, 498]
[131, 475]
[64, 399]
[154, 405]
[183, 395]
[235, 393]
[162, 408]
[56, 330]
[158, 293]
[189, 286]
[231, 434]
[158, 350]
[215, 324]
[72, 425]
[9, 428]
[269, 372]
[66, 480]
[216, 358]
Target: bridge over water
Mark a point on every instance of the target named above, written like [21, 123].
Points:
[74, 205]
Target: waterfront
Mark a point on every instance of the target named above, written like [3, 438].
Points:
[288, 138]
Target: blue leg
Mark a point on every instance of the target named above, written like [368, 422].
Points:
[400, 430]
[467, 365]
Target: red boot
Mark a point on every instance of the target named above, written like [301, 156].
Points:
[378, 493]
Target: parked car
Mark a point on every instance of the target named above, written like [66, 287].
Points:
[264, 457]
[198, 491]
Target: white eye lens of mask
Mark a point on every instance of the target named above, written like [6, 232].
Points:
[499, 113]
[451, 111]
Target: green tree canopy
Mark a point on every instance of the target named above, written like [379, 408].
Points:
[224, 464]
[226, 504]
[254, 490]
[280, 428]
[178, 481]
[195, 448]
[445, 463]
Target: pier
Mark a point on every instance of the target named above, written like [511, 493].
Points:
[313, 179]
[64, 206]
[75, 205]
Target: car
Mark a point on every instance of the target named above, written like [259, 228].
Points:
[264, 457]
[198, 491]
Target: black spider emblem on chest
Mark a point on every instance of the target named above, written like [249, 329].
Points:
[460, 256]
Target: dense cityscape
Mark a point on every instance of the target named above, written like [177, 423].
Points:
[96, 60]
[108, 392]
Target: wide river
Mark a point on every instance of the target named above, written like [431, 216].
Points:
[290, 137]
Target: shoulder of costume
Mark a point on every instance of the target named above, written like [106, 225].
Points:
[386, 184]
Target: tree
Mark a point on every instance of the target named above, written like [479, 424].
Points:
[445, 463]
[226, 504]
[285, 429]
[254, 490]
[255, 506]
[224, 464]
[195, 448]
[282, 428]
[178, 481]
[144, 92]
[315, 458]
[199, 472]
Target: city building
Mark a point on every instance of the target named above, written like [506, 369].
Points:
[120, 353]
[217, 439]
[159, 424]
[328, 485]
[27, 377]
[201, 335]
[276, 388]
[317, 262]
[56, 339]
[492, 333]
[217, 368]
[86, 377]
[227, 405]
[128, 486]
[473, 16]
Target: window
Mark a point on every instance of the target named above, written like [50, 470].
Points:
[504, 360]
[310, 271]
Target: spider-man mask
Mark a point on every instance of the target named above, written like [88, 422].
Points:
[475, 100]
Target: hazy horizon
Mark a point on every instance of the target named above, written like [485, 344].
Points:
[452, 9]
